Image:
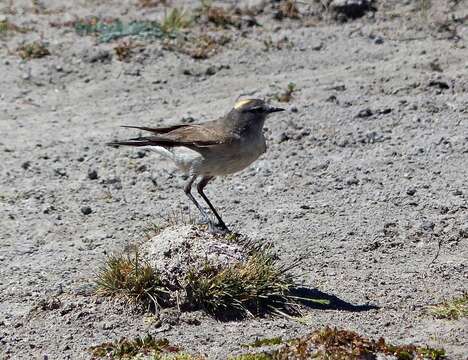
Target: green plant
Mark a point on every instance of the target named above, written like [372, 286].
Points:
[124, 348]
[265, 342]
[198, 47]
[7, 26]
[111, 29]
[338, 344]
[34, 50]
[175, 20]
[252, 287]
[287, 95]
[454, 309]
[132, 279]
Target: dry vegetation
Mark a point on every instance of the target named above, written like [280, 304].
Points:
[131, 278]
[453, 309]
[256, 286]
[253, 287]
[34, 50]
[332, 343]
[326, 344]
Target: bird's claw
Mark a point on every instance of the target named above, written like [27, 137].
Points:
[218, 229]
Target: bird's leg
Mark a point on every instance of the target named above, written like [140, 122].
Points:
[188, 189]
[201, 185]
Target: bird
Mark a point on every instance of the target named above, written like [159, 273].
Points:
[210, 149]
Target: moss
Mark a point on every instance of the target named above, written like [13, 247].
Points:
[453, 309]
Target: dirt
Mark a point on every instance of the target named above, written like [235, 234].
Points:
[364, 178]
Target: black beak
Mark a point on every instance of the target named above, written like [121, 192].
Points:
[274, 109]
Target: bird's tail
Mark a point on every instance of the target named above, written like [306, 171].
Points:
[144, 141]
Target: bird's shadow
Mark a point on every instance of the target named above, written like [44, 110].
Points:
[316, 299]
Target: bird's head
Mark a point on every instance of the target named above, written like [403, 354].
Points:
[252, 110]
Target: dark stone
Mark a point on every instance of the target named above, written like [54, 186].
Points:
[92, 174]
[364, 113]
[86, 210]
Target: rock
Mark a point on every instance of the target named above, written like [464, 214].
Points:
[442, 85]
[364, 113]
[351, 9]
[427, 225]
[464, 230]
[92, 174]
[283, 137]
[86, 210]
[26, 165]
[210, 70]
[352, 181]
[96, 55]
[378, 40]
[411, 191]
[177, 250]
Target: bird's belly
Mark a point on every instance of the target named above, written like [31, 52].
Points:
[216, 161]
[232, 160]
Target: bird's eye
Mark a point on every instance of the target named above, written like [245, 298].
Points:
[258, 109]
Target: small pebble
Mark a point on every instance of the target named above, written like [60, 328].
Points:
[411, 191]
[86, 210]
[364, 113]
[92, 174]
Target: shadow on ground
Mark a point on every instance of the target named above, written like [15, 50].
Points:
[308, 297]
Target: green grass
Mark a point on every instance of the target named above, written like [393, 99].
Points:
[253, 287]
[175, 20]
[133, 279]
[453, 309]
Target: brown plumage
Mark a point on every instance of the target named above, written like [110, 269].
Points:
[213, 148]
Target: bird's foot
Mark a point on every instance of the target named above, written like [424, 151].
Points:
[218, 229]
[203, 221]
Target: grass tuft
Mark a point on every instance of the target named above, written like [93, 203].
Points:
[255, 286]
[198, 47]
[124, 50]
[175, 20]
[34, 50]
[256, 356]
[454, 309]
[265, 342]
[124, 348]
[133, 279]
[288, 9]
[151, 3]
[6, 27]
[287, 95]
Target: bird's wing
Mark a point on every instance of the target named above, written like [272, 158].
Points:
[196, 136]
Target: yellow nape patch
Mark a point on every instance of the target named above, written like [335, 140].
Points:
[241, 103]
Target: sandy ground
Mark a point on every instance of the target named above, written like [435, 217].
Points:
[365, 198]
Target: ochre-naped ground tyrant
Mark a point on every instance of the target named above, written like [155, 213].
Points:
[209, 149]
